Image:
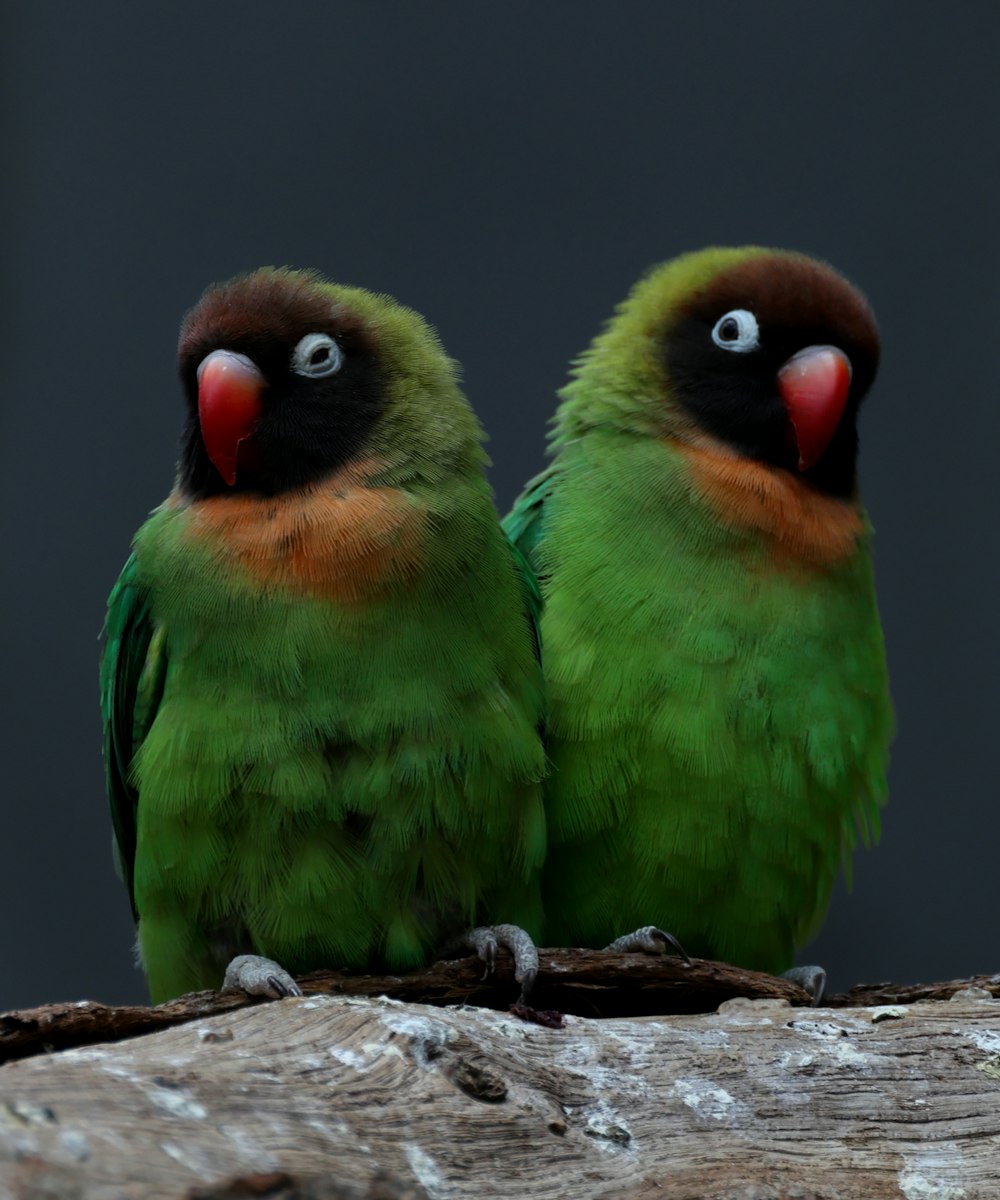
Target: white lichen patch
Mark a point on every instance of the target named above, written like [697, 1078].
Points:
[76, 1143]
[835, 1042]
[797, 1060]
[417, 1027]
[887, 1012]
[708, 1100]
[83, 1054]
[850, 1056]
[319, 1001]
[607, 1073]
[427, 1037]
[208, 1034]
[983, 1039]
[932, 1174]
[177, 1102]
[366, 1056]
[825, 1030]
[513, 1029]
[426, 1171]
[349, 1058]
[310, 1003]
[607, 1127]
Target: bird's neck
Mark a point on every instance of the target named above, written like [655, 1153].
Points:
[799, 521]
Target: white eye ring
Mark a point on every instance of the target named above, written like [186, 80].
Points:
[316, 356]
[736, 330]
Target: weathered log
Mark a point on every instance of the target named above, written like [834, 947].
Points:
[580, 982]
[334, 1096]
[583, 982]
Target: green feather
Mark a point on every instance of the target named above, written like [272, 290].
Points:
[133, 667]
[324, 781]
[718, 717]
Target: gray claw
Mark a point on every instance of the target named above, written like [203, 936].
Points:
[485, 939]
[648, 940]
[260, 977]
[811, 977]
[484, 942]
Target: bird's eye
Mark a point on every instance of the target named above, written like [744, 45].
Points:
[317, 356]
[737, 330]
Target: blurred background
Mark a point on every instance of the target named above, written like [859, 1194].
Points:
[508, 170]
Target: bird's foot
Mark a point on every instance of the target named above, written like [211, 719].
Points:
[811, 977]
[260, 977]
[648, 940]
[486, 938]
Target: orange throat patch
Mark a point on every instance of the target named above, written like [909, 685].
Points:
[802, 523]
[341, 539]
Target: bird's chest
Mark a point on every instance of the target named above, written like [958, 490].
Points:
[344, 543]
[685, 630]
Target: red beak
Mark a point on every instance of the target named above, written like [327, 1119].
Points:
[229, 405]
[814, 384]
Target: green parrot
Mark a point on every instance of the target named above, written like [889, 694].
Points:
[320, 685]
[718, 706]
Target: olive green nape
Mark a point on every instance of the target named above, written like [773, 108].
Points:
[619, 378]
[403, 335]
[427, 411]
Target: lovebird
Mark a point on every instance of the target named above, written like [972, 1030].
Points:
[719, 716]
[320, 685]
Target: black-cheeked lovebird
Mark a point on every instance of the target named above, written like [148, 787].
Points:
[719, 714]
[320, 685]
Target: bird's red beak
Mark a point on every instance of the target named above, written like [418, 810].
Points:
[229, 405]
[814, 384]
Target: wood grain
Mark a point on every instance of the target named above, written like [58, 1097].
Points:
[352, 1097]
[584, 982]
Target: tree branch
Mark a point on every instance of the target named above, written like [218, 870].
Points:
[586, 983]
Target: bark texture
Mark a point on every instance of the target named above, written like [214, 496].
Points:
[353, 1097]
[588, 983]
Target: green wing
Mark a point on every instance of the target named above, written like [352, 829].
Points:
[532, 597]
[133, 669]
[524, 523]
[523, 527]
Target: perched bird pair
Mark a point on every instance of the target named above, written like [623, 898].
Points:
[327, 736]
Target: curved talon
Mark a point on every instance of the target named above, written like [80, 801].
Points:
[484, 942]
[259, 976]
[650, 939]
[527, 982]
[485, 939]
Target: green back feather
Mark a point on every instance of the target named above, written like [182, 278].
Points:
[131, 683]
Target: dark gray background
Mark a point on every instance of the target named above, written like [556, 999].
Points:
[508, 170]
